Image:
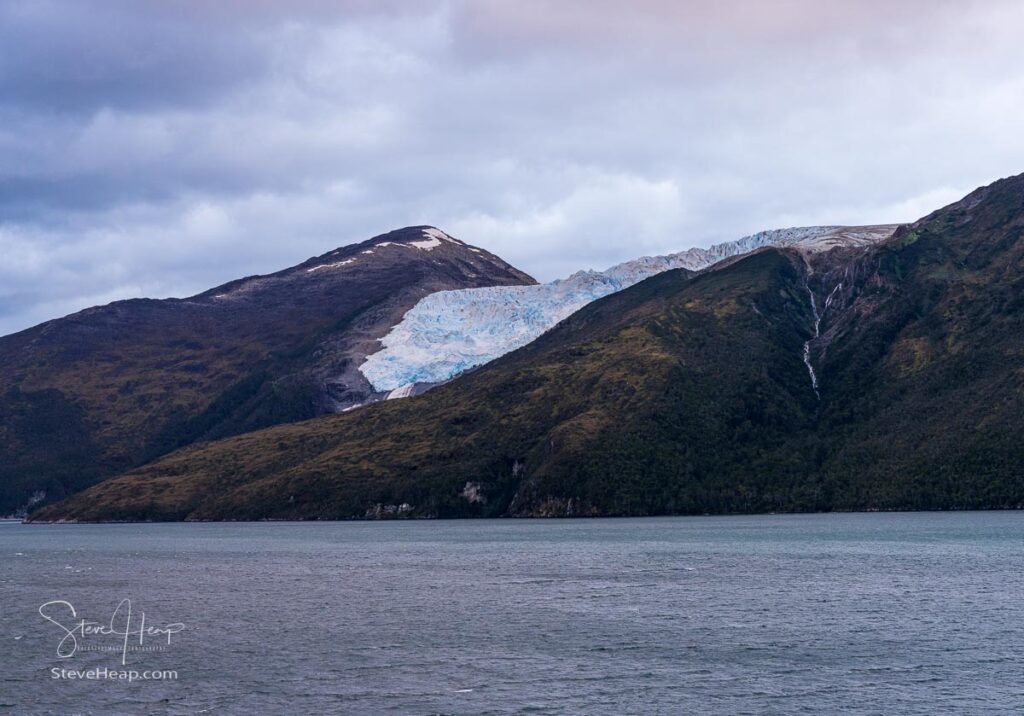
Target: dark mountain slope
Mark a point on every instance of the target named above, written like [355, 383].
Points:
[112, 387]
[661, 398]
[682, 394]
[923, 369]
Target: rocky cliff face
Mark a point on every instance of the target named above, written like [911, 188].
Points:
[115, 386]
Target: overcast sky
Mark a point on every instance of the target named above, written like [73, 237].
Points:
[159, 148]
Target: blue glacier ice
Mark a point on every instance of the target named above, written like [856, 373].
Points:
[449, 332]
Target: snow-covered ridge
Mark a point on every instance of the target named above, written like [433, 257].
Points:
[451, 331]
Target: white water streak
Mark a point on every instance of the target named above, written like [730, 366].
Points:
[807, 344]
[817, 331]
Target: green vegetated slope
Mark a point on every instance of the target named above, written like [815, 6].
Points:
[684, 394]
[923, 380]
[659, 398]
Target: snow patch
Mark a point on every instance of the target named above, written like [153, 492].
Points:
[336, 264]
[427, 245]
[432, 233]
[401, 392]
[434, 239]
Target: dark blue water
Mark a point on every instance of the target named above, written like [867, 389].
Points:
[860, 614]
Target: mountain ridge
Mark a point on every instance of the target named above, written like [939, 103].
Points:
[686, 393]
[111, 387]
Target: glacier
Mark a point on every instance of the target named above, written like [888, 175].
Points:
[449, 332]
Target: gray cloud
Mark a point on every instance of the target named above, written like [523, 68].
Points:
[72, 57]
[160, 148]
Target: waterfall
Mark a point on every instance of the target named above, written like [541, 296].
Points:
[807, 344]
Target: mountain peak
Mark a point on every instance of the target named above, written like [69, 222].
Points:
[410, 244]
[122, 383]
[1003, 198]
[421, 237]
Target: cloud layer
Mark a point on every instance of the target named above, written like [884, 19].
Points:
[160, 148]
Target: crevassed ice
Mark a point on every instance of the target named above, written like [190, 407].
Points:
[449, 332]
